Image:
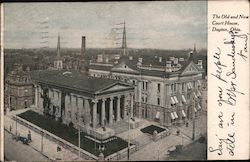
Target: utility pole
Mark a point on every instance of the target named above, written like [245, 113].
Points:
[16, 125]
[79, 137]
[128, 131]
[42, 141]
[193, 137]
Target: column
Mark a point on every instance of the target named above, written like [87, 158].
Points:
[111, 110]
[66, 110]
[103, 111]
[80, 110]
[124, 107]
[118, 112]
[139, 107]
[131, 106]
[94, 113]
[36, 96]
[87, 114]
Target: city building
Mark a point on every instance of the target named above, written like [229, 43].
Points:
[166, 90]
[83, 101]
[19, 92]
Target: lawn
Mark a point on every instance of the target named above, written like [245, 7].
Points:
[150, 129]
[70, 134]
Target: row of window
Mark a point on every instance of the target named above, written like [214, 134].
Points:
[145, 100]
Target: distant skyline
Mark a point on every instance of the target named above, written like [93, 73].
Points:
[159, 25]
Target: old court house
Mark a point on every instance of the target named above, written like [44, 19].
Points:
[83, 100]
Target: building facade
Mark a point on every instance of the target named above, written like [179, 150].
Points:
[19, 91]
[86, 102]
[168, 92]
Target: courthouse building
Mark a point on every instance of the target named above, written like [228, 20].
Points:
[73, 97]
[167, 90]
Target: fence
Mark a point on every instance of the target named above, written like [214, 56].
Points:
[65, 144]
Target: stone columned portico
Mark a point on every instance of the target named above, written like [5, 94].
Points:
[92, 104]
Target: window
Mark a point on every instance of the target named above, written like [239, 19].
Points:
[183, 87]
[143, 86]
[76, 101]
[158, 87]
[158, 101]
[146, 99]
[172, 88]
[146, 85]
[133, 82]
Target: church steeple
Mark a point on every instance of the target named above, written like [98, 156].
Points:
[58, 47]
[124, 41]
[58, 64]
[194, 51]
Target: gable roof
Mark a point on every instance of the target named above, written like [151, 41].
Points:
[75, 80]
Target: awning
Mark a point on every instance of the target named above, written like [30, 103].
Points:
[175, 98]
[183, 113]
[190, 84]
[172, 100]
[157, 115]
[195, 110]
[199, 82]
[172, 116]
[175, 114]
[183, 99]
[198, 106]
[195, 96]
[198, 93]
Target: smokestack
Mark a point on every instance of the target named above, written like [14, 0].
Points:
[83, 46]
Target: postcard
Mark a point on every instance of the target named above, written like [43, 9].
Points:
[125, 81]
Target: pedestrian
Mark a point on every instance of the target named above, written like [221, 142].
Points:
[29, 136]
[10, 128]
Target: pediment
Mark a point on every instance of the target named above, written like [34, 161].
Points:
[191, 68]
[115, 87]
[123, 68]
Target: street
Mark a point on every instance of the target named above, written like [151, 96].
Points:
[18, 151]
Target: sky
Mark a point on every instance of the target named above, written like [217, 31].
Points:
[159, 25]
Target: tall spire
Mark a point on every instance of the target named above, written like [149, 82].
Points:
[194, 52]
[124, 41]
[58, 46]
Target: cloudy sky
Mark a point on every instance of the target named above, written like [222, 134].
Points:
[164, 25]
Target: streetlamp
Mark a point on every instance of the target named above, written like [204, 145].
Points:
[128, 113]
[193, 137]
[41, 141]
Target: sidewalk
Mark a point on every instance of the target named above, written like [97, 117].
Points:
[158, 150]
[47, 147]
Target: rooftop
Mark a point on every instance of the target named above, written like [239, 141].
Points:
[73, 80]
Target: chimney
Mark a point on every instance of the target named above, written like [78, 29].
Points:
[171, 58]
[140, 59]
[100, 58]
[106, 59]
[200, 64]
[175, 61]
[83, 46]
[160, 59]
[130, 57]
[168, 66]
[191, 55]
[181, 59]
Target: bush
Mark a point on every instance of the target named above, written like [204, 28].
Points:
[70, 134]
